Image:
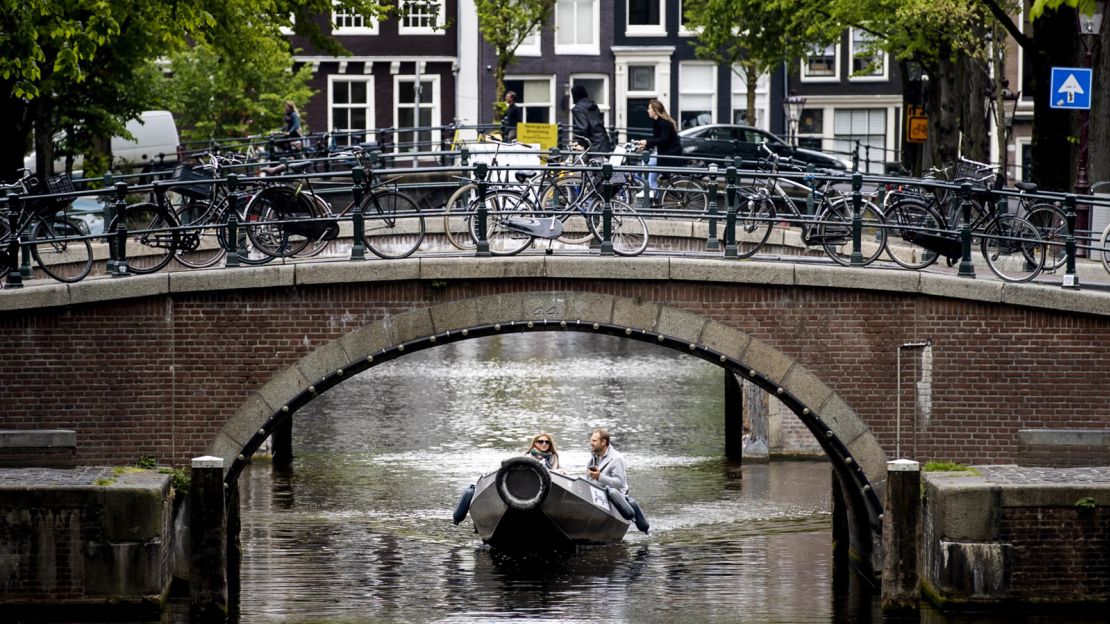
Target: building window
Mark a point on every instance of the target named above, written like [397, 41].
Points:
[696, 93]
[866, 125]
[740, 98]
[350, 108]
[576, 27]
[530, 45]
[821, 64]
[645, 17]
[352, 24]
[417, 106]
[867, 62]
[533, 97]
[597, 88]
[641, 78]
[422, 17]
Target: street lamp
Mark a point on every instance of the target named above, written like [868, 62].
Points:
[1090, 27]
[1010, 101]
[792, 106]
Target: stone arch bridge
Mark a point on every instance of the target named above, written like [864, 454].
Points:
[182, 364]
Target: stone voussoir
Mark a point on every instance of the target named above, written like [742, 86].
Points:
[111, 289]
[233, 279]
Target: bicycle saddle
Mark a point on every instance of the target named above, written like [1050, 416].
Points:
[293, 167]
[1028, 187]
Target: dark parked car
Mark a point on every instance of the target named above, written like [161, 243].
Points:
[727, 141]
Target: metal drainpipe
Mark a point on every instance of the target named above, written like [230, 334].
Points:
[898, 397]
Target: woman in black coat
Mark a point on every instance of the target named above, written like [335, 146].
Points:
[664, 140]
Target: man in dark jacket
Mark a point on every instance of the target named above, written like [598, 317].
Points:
[513, 116]
[588, 122]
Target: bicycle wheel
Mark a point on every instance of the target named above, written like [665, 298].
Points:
[755, 218]
[267, 239]
[394, 225]
[1013, 249]
[456, 220]
[1053, 228]
[5, 239]
[683, 195]
[151, 237]
[558, 199]
[56, 251]
[199, 245]
[629, 231]
[316, 235]
[908, 222]
[834, 231]
[502, 206]
[1104, 249]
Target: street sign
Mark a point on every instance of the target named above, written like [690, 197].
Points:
[544, 135]
[917, 125]
[1071, 88]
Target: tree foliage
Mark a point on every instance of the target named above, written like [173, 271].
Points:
[504, 25]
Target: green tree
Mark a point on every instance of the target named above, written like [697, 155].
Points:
[504, 25]
[221, 96]
[756, 35]
[54, 52]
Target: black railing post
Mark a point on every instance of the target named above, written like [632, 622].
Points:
[232, 242]
[14, 279]
[855, 157]
[607, 209]
[645, 158]
[730, 214]
[358, 237]
[967, 269]
[857, 219]
[810, 180]
[464, 156]
[482, 244]
[120, 267]
[712, 242]
[1071, 279]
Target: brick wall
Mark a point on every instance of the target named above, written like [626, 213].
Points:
[1060, 554]
[160, 376]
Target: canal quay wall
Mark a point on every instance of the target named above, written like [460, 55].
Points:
[85, 537]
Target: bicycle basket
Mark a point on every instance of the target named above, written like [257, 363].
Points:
[980, 175]
[186, 174]
[60, 183]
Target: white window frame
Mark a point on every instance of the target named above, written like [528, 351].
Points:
[437, 29]
[435, 106]
[532, 45]
[369, 81]
[805, 77]
[739, 94]
[683, 31]
[879, 77]
[711, 91]
[550, 80]
[605, 106]
[592, 49]
[372, 29]
[644, 30]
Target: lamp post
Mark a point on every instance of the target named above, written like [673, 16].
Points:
[1090, 27]
[792, 107]
[1010, 101]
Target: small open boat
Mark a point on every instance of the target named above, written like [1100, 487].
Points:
[525, 506]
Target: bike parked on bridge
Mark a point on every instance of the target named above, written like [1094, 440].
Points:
[55, 240]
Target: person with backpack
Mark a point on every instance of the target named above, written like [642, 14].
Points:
[588, 123]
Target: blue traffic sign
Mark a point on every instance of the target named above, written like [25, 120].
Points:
[1071, 88]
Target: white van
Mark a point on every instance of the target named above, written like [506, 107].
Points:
[156, 139]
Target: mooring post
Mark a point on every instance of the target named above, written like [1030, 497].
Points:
[734, 418]
[207, 541]
[901, 516]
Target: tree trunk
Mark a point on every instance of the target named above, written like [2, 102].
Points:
[44, 138]
[1099, 152]
[943, 144]
[14, 125]
[972, 86]
[1054, 38]
[751, 80]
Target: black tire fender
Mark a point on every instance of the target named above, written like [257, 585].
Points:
[638, 514]
[522, 469]
[463, 507]
[618, 500]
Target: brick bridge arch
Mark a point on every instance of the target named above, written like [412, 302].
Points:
[853, 451]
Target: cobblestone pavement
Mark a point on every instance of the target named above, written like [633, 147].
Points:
[1031, 475]
[65, 477]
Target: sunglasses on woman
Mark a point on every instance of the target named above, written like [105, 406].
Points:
[543, 441]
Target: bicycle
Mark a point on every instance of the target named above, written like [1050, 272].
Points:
[920, 233]
[761, 205]
[511, 215]
[291, 219]
[55, 241]
[677, 192]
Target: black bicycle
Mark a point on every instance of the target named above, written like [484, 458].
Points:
[56, 241]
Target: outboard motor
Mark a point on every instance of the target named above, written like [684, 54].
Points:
[523, 483]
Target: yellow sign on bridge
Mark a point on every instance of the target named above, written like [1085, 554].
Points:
[544, 135]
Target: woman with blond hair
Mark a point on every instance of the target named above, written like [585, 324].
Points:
[664, 140]
[542, 449]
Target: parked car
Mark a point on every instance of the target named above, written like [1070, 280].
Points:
[154, 144]
[727, 141]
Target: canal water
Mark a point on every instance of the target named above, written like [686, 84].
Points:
[359, 530]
